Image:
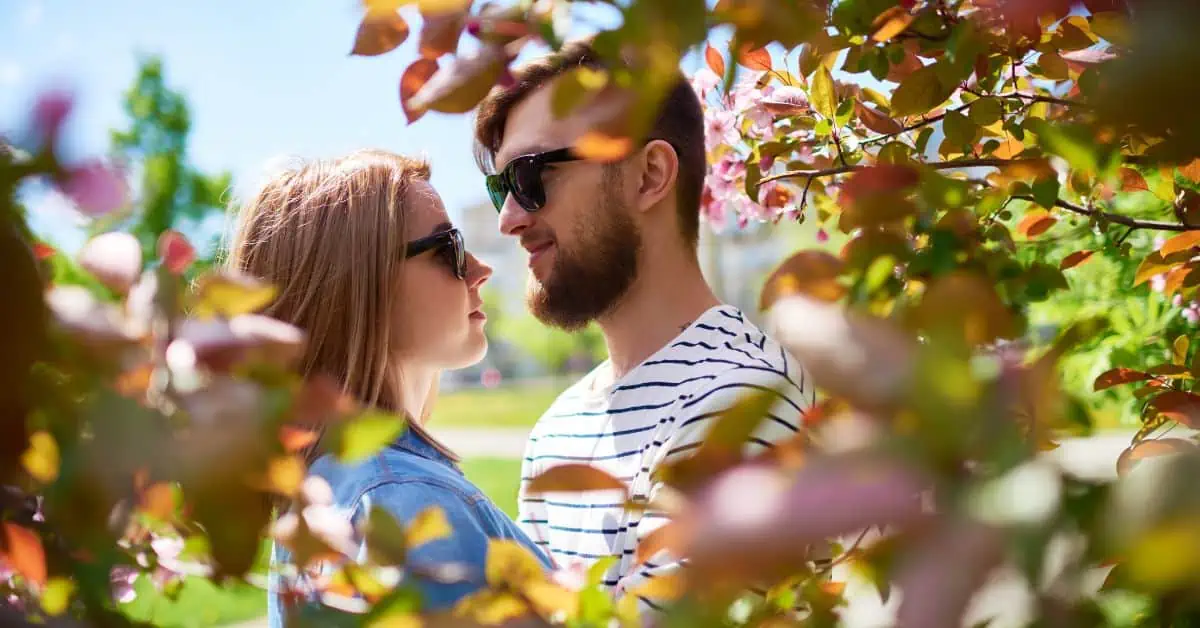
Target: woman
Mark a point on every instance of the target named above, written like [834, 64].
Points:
[367, 263]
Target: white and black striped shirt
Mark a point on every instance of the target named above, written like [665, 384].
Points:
[659, 410]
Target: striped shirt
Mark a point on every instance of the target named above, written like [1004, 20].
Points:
[657, 413]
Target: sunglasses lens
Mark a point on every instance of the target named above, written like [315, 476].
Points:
[460, 255]
[497, 190]
[527, 184]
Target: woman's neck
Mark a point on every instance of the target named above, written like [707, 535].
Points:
[415, 384]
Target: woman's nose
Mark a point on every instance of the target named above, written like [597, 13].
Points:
[477, 271]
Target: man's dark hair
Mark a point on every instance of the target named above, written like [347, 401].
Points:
[680, 122]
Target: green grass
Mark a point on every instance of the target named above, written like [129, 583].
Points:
[201, 603]
[498, 478]
[518, 405]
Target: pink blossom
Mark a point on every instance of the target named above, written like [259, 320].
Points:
[712, 210]
[1192, 312]
[704, 81]
[121, 580]
[1158, 283]
[720, 128]
[822, 235]
[96, 188]
[49, 114]
[765, 163]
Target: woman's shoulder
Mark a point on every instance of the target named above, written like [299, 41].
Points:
[394, 474]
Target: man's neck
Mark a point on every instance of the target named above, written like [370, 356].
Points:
[656, 309]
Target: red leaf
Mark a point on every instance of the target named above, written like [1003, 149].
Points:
[1181, 242]
[1132, 180]
[574, 477]
[379, 32]
[23, 551]
[41, 250]
[876, 121]
[1149, 449]
[1118, 376]
[715, 61]
[413, 79]
[1191, 171]
[1075, 259]
[176, 252]
[755, 59]
[1178, 406]
[1035, 223]
[877, 179]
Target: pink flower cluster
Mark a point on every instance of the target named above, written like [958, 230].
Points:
[735, 119]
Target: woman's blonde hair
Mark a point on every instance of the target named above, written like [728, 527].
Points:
[330, 236]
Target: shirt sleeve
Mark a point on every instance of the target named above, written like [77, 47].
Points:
[466, 546]
[694, 417]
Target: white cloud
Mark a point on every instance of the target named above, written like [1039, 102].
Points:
[10, 73]
[33, 14]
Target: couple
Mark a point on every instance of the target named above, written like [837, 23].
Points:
[368, 264]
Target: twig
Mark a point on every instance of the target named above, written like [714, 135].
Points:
[1133, 223]
[1030, 98]
[916, 125]
[1121, 240]
[844, 556]
[938, 165]
[837, 142]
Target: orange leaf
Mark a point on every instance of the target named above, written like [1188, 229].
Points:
[813, 273]
[440, 34]
[1156, 264]
[379, 32]
[159, 501]
[1149, 449]
[891, 23]
[1132, 180]
[42, 250]
[574, 477]
[876, 121]
[716, 62]
[24, 553]
[601, 147]
[1181, 242]
[1178, 406]
[413, 79]
[670, 536]
[1010, 147]
[1075, 259]
[1118, 376]
[755, 59]
[295, 438]
[1191, 171]
[833, 589]
[1035, 223]
[1175, 279]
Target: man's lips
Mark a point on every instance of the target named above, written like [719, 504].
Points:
[536, 251]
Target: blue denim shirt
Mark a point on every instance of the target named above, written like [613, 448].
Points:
[407, 477]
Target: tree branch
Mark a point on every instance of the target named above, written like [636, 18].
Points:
[916, 125]
[1031, 98]
[938, 165]
[1132, 223]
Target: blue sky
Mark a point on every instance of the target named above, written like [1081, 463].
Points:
[263, 79]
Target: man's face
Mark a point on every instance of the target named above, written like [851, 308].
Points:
[583, 243]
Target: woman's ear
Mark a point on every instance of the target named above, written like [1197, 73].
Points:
[660, 169]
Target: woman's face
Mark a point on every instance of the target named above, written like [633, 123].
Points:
[437, 318]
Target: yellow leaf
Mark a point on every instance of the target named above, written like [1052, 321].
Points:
[598, 146]
[1181, 348]
[396, 619]
[668, 587]
[891, 22]
[429, 525]
[1166, 556]
[228, 295]
[285, 474]
[824, 101]
[57, 595]
[550, 599]
[1113, 26]
[490, 607]
[438, 7]
[41, 459]
[509, 563]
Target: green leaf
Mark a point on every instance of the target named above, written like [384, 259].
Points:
[960, 131]
[821, 96]
[1075, 144]
[921, 91]
[986, 111]
[364, 436]
[57, 595]
[1045, 191]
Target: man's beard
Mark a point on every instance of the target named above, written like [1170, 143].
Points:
[589, 280]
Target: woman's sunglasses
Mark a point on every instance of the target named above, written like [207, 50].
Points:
[522, 178]
[448, 245]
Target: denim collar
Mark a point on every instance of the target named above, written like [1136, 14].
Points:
[412, 442]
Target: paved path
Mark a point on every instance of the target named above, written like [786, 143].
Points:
[484, 442]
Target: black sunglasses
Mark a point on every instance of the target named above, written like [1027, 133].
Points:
[522, 178]
[448, 245]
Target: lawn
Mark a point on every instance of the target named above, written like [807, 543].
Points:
[516, 406]
[200, 603]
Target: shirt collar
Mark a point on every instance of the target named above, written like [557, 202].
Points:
[414, 443]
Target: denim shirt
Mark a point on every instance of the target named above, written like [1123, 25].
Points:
[407, 477]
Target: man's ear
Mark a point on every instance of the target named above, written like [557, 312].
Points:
[660, 169]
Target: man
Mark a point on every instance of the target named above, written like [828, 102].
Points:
[615, 243]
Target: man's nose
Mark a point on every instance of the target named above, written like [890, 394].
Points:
[513, 218]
